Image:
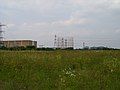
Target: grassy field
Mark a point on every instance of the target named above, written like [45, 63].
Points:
[60, 70]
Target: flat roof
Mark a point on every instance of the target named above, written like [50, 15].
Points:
[17, 40]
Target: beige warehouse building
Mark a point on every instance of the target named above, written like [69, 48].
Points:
[19, 43]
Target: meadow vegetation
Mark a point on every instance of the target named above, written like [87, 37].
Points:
[60, 70]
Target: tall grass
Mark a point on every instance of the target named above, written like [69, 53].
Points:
[60, 70]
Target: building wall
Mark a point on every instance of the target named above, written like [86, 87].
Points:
[19, 43]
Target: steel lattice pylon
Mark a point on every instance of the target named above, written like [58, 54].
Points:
[1, 34]
[63, 43]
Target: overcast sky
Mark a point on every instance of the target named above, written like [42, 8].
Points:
[95, 22]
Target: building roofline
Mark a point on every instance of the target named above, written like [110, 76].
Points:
[19, 40]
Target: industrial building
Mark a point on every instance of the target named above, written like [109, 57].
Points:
[19, 43]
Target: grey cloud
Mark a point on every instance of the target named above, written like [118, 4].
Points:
[92, 21]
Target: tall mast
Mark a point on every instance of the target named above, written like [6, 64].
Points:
[1, 34]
